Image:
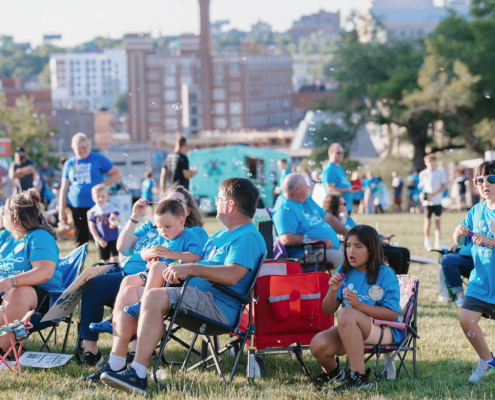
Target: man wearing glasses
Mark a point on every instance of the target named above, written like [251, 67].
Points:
[334, 177]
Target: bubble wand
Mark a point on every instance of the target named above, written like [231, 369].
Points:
[342, 276]
[471, 234]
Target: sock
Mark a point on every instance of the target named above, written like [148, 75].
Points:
[140, 369]
[116, 362]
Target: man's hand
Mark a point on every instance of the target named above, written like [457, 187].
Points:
[335, 282]
[351, 298]
[328, 243]
[175, 272]
[103, 244]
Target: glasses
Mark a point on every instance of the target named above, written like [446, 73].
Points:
[479, 181]
[218, 199]
[339, 152]
[182, 201]
[343, 204]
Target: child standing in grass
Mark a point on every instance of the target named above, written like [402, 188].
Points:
[479, 300]
[371, 292]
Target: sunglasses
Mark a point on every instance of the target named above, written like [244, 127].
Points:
[479, 181]
[343, 204]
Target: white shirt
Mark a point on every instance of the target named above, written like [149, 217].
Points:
[431, 182]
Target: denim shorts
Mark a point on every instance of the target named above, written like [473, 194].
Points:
[487, 310]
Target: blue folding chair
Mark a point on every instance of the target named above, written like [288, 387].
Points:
[71, 266]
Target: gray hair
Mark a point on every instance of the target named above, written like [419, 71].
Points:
[80, 137]
[291, 181]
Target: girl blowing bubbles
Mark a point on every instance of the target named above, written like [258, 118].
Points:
[371, 291]
[480, 294]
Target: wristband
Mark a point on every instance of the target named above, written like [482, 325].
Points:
[134, 221]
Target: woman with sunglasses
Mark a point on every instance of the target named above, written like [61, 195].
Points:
[479, 300]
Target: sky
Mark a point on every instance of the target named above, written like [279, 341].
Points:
[79, 21]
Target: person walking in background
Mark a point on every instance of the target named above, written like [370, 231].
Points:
[22, 171]
[413, 188]
[80, 174]
[398, 185]
[148, 187]
[459, 189]
[284, 170]
[334, 177]
[357, 196]
[47, 176]
[371, 185]
[433, 182]
[175, 170]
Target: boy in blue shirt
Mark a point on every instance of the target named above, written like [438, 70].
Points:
[480, 294]
[147, 186]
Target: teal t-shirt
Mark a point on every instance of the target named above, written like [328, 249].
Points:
[201, 233]
[146, 189]
[481, 284]
[244, 246]
[188, 241]
[16, 256]
[302, 219]
[147, 236]
[373, 184]
[335, 174]
[388, 296]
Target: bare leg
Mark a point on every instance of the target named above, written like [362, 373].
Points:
[354, 326]
[17, 302]
[155, 278]
[469, 324]
[114, 259]
[426, 229]
[325, 346]
[124, 326]
[437, 229]
[154, 306]
[132, 280]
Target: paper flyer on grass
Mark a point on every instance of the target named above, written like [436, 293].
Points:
[70, 298]
[11, 364]
[43, 360]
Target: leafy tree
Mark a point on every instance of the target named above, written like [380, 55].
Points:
[26, 127]
[121, 103]
[483, 8]
[44, 76]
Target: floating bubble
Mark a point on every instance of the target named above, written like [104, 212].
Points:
[332, 69]
[177, 106]
[312, 122]
[310, 143]
[347, 172]
[67, 123]
[130, 94]
[140, 34]
[244, 58]
[312, 129]
[470, 334]
[325, 139]
[440, 69]
[311, 162]
[54, 112]
[286, 122]
[153, 102]
[487, 96]
[318, 111]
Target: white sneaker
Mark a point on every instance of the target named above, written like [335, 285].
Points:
[459, 301]
[480, 371]
[390, 372]
[427, 244]
[444, 299]
[438, 245]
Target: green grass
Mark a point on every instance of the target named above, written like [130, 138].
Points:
[445, 358]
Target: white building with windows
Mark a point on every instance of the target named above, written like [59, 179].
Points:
[88, 80]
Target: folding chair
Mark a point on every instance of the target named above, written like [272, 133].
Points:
[409, 291]
[200, 325]
[71, 266]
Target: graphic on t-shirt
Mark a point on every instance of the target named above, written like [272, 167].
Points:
[145, 241]
[80, 174]
[375, 292]
[361, 297]
[7, 266]
[491, 226]
[313, 220]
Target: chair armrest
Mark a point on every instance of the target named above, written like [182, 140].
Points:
[229, 292]
[396, 325]
[312, 244]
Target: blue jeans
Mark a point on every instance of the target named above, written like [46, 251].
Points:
[454, 266]
[97, 293]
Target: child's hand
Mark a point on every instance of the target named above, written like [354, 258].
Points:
[480, 239]
[462, 230]
[161, 251]
[147, 253]
[351, 298]
[103, 244]
[151, 261]
[335, 282]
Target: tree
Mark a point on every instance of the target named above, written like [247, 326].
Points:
[121, 103]
[483, 8]
[26, 127]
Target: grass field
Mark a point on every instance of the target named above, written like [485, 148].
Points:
[444, 355]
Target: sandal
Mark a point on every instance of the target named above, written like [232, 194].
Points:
[133, 310]
[102, 327]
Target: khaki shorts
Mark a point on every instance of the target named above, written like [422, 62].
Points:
[376, 331]
[199, 302]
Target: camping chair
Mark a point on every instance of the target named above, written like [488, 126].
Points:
[409, 291]
[71, 266]
[206, 327]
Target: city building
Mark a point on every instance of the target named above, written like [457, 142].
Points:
[261, 28]
[103, 128]
[88, 80]
[414, 18]
[324, 22]
[69, 122]
[197, 91]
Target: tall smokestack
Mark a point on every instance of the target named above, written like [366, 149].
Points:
[205, 56]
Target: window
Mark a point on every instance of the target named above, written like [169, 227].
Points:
[170, 95]
[186, 80]
[219, 123]
[235, 66]
[194, 122]
[219, 108]
[170, 69]
[218, 66]
[218, 94]
[186, 68]
[235, 107]
[218, 80]
[236, 123]
[171, 124]
[194, 110]
[235, 87]
[170, 81]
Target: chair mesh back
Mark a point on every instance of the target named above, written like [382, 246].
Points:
[409, 287]
[266, 228]
[71, 265]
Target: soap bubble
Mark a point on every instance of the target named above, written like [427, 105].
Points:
[318, 111]
[312, 129]
[161, 374]
[311, 162]
[54, 112]
[177, 106]
[140, 34]
[35, 115]
[487, 96]
[244, 58]
[67, 122]
[470, 334]
[451, 150]
[152, 102]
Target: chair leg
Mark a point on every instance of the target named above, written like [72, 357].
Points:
[415, 365]
[69, 323]
[239, 355]
[215, 358]
[188, 355]
[45, 341]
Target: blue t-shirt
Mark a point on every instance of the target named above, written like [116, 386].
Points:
[83, 175]
[201, 233]
[466, 250]
[388, 296]
[335, 174]
[283, 174]
[302, 219]
[412, 183]
[187, 241]
[16, 256]
[357, 196]
[349, 223]
[146, 187]
[481, 284]
[373, 184]
[100, 216]
[244, 246]
[147, 237]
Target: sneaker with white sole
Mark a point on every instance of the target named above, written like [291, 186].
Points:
[438, 245]
[427, 244]
[336, 375]
[93, 360]
[481, 371]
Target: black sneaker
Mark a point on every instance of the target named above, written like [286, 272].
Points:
[93, 360]
[336, 375]
[97, 375]
[127, 381]
[355, 380]
[130, 357]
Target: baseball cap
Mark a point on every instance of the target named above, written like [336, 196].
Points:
[20, 149]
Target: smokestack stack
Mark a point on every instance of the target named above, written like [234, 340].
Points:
[205, 56]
